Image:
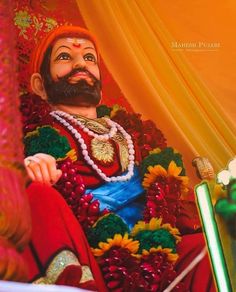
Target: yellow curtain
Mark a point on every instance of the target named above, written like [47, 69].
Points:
[158, 81]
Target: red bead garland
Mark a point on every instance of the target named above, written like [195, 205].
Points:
[163, 200]
[122, 272]
[71, 186]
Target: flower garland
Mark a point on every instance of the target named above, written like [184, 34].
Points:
[144, 257]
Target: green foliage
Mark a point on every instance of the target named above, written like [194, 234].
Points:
[163, 158]
[155, 238]
[46, 140]
[105, 228]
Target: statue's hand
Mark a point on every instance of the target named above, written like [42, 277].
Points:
[42, 168]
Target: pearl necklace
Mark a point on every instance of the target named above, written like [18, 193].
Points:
[60, 115]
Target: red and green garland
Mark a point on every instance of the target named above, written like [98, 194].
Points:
[141, 259]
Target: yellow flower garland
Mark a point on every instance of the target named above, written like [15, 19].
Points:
[173, 171]
[117, 240]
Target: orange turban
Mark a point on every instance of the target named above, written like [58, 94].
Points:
[59, 32]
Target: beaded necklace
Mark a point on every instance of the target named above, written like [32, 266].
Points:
[114, 127]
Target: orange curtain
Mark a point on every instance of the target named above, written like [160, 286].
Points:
[172, 86]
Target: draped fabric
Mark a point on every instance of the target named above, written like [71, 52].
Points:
[58, 252]
[15, 225]
[162, 82]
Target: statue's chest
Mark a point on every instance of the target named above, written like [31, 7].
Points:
[102, 143]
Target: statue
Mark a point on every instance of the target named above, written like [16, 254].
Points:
[108, 171]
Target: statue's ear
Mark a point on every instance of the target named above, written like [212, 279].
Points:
[37, 85]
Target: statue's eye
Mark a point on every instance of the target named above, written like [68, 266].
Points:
[90, 57]
[63, 56]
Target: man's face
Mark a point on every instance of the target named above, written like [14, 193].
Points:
[74, 73]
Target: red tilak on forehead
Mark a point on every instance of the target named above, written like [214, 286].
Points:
[76, 42]
[77, 45]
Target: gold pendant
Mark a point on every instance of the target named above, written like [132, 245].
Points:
[102, 150]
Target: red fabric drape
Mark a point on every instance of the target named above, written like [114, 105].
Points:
[55, 229]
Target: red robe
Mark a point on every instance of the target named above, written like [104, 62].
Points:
[55, 229]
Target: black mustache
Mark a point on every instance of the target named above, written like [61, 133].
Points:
[75, 71]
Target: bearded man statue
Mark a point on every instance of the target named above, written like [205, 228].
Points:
[108, 171]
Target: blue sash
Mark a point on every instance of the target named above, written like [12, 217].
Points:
[119, 197]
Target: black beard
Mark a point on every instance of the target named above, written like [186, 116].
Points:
[78, 94]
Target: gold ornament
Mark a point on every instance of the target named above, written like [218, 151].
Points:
[98, 126]
[102, 150]
[123, 150]
[59, 263]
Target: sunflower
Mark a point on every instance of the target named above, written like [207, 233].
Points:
[117, 240]
[158, 170]
[172, 257]
[155, 224]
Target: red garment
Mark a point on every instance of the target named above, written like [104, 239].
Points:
[200, 278]
[54, 228]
